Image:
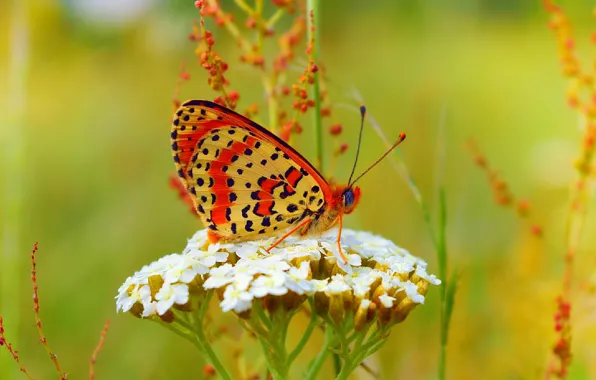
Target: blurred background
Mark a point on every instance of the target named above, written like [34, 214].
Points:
[86, 90]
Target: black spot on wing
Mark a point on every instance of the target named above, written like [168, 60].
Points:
[248, 226]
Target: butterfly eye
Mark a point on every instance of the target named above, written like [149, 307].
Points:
[348, 198]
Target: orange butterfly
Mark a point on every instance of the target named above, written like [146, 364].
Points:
[246, 183]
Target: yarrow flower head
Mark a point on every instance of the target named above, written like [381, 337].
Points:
[380, 277]
[376, 288]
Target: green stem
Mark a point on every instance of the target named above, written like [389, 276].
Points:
[312, 323]
[212, 357]
[194, 323]
[342, 368]
[317, 364]
[199, 340]
[441, 248]
[268, 357]
[313, 6]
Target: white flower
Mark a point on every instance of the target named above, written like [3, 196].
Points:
[248, 251]
[337, 285]
[319, 285]
[362, 280]
[354, 260]
[235, 299]
[149, 309]
[421, 271]
[211, 256]
[401, 264]
[220, 276]
[197, 241]
[183, 268]
[386, 300]
[296, 279]
[301, 248]
[268, 284]
[269, 264]
[126, 301]
[169, 294]
[364, 304]
[411, 290]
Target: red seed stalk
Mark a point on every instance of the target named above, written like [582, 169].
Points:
[38, 324]
[502, 195]
[13, 353]
[581, 96]
[97, 350]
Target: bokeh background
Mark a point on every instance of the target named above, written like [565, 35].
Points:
[86, 90]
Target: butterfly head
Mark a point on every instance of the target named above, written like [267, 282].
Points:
[350, 198]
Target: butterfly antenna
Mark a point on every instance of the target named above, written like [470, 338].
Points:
[362, 114]
[401, 138]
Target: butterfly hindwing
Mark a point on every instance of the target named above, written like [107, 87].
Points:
[244, 181]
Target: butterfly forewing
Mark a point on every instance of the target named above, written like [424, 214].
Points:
[244, 181]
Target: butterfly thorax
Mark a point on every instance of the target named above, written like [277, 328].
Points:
[343, 200]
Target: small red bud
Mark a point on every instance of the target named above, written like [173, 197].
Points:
[208, 370]
[233, 95]
[537, 231]
[335, 129]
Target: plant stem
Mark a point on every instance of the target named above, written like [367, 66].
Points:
[314, 33]
[312, 323]
[317, 364]
[212, 357]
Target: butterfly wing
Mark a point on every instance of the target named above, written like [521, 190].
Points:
[244, 180]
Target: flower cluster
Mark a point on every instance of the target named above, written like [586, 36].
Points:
[379, 279]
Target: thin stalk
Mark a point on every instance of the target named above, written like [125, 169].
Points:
[317, 364]
[446, 300]
[312, 323]
[212, 357]
[272, 102]
[313, 33]
[12, 140]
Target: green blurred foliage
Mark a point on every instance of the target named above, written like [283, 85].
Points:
[95, 162]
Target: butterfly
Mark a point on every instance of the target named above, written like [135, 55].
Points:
[247, 183]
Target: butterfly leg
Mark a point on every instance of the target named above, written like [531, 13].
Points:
[343, 257]
[304, 224]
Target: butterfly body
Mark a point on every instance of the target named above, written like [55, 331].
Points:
[246, 183]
